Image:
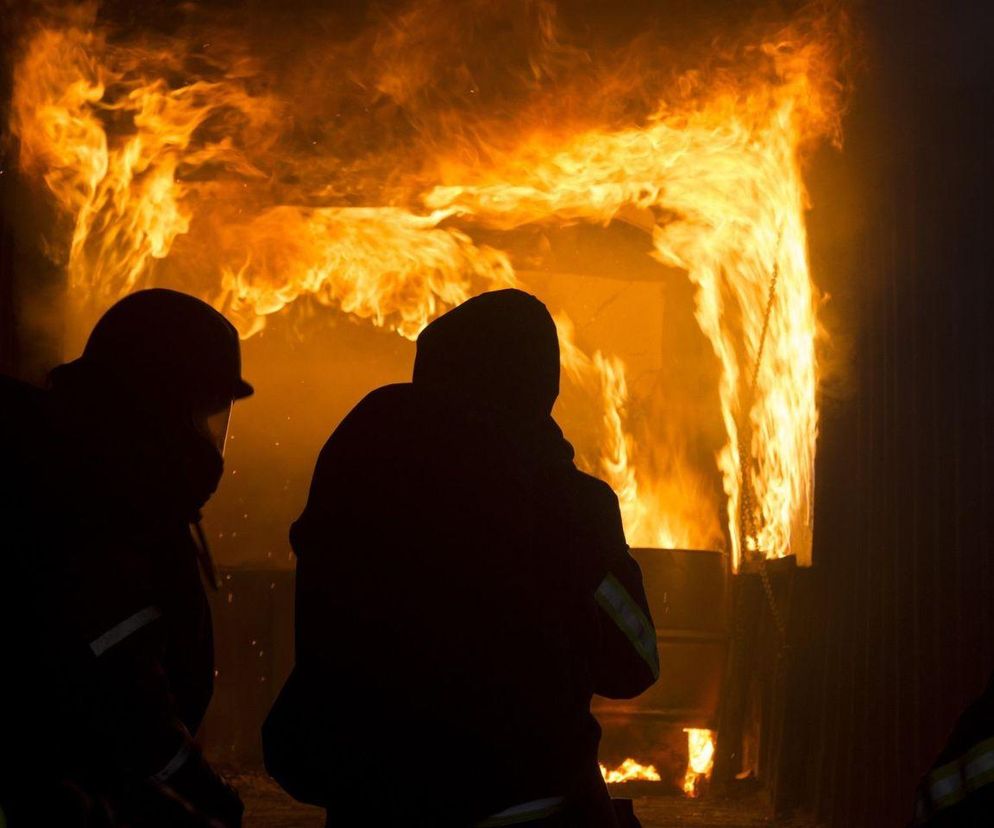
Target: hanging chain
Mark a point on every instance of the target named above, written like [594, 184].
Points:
[772, 602]
[771, 298]
[747, 522]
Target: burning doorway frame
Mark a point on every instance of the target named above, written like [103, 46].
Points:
[133, 201]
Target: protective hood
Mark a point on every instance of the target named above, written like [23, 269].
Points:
[497, 352]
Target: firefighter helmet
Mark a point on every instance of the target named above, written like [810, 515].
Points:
[167, 345]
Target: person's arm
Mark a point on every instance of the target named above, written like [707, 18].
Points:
[132, 709]
[959, 787]
[624, 661]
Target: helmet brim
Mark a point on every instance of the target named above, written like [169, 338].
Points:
[242, 390]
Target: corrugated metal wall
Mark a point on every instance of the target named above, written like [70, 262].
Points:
[901, 623]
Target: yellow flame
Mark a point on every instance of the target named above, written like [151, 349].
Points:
[188, 160]
[629, 771]
[700, 749]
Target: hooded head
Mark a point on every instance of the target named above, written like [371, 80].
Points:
[498, 352]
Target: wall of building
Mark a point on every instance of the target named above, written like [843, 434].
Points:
[900, 622]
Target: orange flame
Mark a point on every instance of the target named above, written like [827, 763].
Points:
[629, 771]
[700, 747]
[365, 172]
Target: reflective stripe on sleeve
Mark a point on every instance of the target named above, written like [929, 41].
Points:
[129, 626]
[628, 615]
[526, 812]
[978, 765]
[173, 764]
[945, 786]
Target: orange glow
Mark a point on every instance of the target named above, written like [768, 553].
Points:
[700, 747]
[188, 160]
[629, 771]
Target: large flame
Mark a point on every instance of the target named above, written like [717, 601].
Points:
[365, 167]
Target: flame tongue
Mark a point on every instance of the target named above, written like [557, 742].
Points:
[191, 161]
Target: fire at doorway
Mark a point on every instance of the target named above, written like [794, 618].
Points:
[337, 180]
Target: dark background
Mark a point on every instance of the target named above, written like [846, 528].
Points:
[899, 629]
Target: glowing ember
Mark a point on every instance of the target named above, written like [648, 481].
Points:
[700, 747]
[383, 174]
[629, 771]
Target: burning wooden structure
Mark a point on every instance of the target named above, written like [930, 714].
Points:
[434, 170]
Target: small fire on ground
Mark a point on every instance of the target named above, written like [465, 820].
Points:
[630, 771]
[700, 748]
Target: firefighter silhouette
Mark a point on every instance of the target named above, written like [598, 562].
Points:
[462, 591]
[106, 626]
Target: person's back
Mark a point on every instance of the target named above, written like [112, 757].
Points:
[106, 613]
[448, 633]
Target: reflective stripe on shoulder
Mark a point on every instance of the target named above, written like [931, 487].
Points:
[978, 765]
[526, 812]
[628, 615]
[945, 785]
[129, 626]
[173, 764]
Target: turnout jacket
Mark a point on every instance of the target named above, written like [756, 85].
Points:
[958, 790]
[462, 591]
[106, 616]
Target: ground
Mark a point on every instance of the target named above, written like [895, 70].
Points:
[266, 805]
